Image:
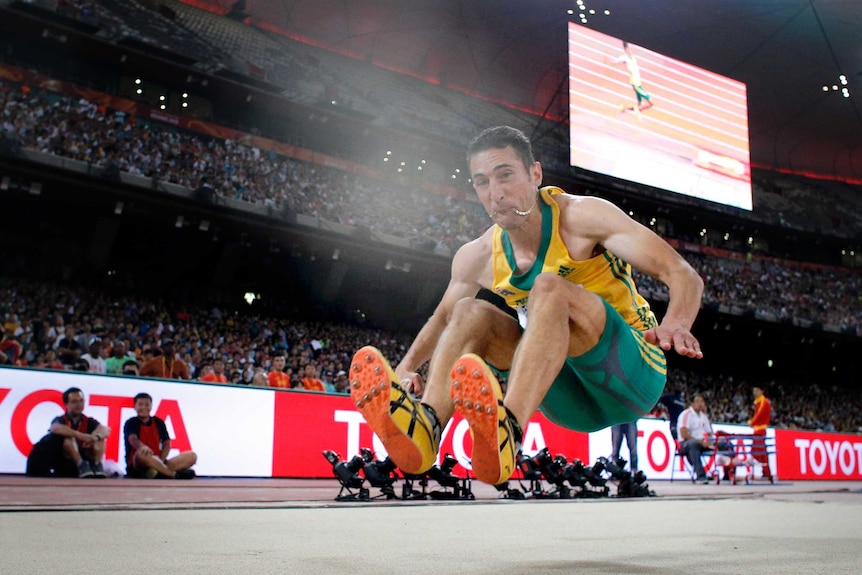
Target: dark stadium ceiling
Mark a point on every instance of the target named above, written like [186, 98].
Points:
[515, 51]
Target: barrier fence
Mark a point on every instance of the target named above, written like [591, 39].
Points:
[258, 432]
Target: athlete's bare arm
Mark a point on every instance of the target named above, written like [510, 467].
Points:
[587, 222]
[471, 270]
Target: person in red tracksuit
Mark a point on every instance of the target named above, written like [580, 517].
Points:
[759, 422]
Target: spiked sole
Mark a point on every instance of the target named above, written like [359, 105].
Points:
[398, 421]
[477, 396]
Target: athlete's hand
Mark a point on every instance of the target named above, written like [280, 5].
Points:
[410, 381]
[677, 338]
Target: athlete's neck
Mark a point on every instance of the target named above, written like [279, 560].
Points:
[528, 231]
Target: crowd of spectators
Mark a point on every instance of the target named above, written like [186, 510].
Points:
[50, 327]
[795, 405]
[81, 130]
[775, 292]
[53, 327]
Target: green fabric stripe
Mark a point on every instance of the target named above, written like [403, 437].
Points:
[525, 281]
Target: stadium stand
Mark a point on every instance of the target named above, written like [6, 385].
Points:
[765, 283]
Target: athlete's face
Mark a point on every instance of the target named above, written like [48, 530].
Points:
[504, 184]
[143, 406]
[278, 364]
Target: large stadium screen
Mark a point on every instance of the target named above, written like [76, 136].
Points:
[647, 118]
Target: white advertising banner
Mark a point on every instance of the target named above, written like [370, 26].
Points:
[656, 449]
[230, 428]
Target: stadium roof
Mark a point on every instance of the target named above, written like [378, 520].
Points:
[785, 51]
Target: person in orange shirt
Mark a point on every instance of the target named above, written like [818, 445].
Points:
[277, 377]
[759, 422]
[166, 365]
[217, 374]
[310, 382]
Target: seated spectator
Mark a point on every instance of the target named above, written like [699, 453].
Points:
[148, 446]
[310, 382]
[68, 348]
[341, 384]
[277, 377]
[258, 370]
[166, 365]
[95, 358]
[695, 433]
[260, 379]
[10, 350]
[75, 445]
[119, 357]
[131, 368]
[50, 361]
[217, 374]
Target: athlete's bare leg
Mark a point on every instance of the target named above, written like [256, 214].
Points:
[478, 327]
[551, 336]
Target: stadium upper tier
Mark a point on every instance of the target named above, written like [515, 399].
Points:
[47, 125]
[316, 77]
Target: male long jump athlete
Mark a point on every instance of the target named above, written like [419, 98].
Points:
[644, 100]
[586, 348]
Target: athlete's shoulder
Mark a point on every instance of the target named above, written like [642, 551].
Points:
[472, 261]
[478, 248]
[583, 211]
[564, 198]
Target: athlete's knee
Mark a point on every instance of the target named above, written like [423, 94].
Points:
[471, 309]
[548, 286]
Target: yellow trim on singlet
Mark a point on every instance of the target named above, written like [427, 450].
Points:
[606, 275]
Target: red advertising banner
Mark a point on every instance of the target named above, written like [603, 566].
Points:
[814, 455]
[306, 424]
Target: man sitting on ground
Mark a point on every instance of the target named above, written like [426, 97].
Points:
[74, 446]
[148, 446]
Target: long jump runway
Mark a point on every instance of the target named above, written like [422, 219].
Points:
[260, 526]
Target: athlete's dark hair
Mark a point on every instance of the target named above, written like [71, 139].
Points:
[143, 395]
[69, 392]
[501, 137]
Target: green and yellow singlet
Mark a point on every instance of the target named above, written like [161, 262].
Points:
[606, 275]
